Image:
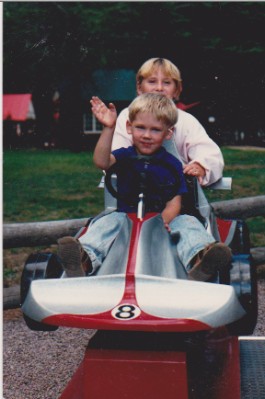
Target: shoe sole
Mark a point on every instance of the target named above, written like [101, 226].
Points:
[216, 259]
[69, 252]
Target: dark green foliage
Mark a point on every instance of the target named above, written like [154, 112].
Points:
[88, 35]
[218, 46]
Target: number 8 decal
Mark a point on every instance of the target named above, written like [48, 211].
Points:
[125, 311]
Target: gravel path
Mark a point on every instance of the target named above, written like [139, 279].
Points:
[38, 365]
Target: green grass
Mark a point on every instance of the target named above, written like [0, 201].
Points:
[52, 185]
[42, 185]
[246, 167]
[55, 185]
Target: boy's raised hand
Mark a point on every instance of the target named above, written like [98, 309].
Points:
[105, 115]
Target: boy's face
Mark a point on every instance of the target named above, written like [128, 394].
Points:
[158, 82]
[148, 133]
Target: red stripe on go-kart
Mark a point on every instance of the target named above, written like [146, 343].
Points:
[223, 228]
[127, 315]
[144, 322]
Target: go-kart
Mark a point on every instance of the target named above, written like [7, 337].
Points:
[159, 333]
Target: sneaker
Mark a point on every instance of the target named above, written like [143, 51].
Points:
[214, 258]
[74, 259]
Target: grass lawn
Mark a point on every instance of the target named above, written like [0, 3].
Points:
[41, 186]
[53, 185]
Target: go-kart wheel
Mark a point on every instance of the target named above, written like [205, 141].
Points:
[39, 266]
[142, 181]
[243, 279]
[38, 326]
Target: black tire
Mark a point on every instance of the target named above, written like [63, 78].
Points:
[37, 326]
[39, 266]
[243, 278]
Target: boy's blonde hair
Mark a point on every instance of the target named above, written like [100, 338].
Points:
[158, 105]
[168, 68]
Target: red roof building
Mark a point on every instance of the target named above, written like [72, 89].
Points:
[18, 107]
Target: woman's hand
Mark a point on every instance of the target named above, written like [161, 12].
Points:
[106, 116]
[195, 169]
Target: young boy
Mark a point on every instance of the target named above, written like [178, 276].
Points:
[150, 122]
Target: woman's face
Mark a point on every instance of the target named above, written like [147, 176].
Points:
[158, 82]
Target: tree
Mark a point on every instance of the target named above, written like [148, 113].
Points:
[218, 46]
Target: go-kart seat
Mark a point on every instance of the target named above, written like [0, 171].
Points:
[195, 202]
[190, 200]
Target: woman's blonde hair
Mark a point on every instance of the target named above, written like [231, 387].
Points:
[168, 68]
[158, 105]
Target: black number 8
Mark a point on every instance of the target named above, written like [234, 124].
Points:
[126, 312]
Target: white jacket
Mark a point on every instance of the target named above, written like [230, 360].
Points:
[191, 140]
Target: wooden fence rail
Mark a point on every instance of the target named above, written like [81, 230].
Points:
[17, 235]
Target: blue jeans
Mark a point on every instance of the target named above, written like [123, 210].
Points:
[192, 237]
[102, 232]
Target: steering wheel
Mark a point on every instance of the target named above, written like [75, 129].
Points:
[143, 183]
